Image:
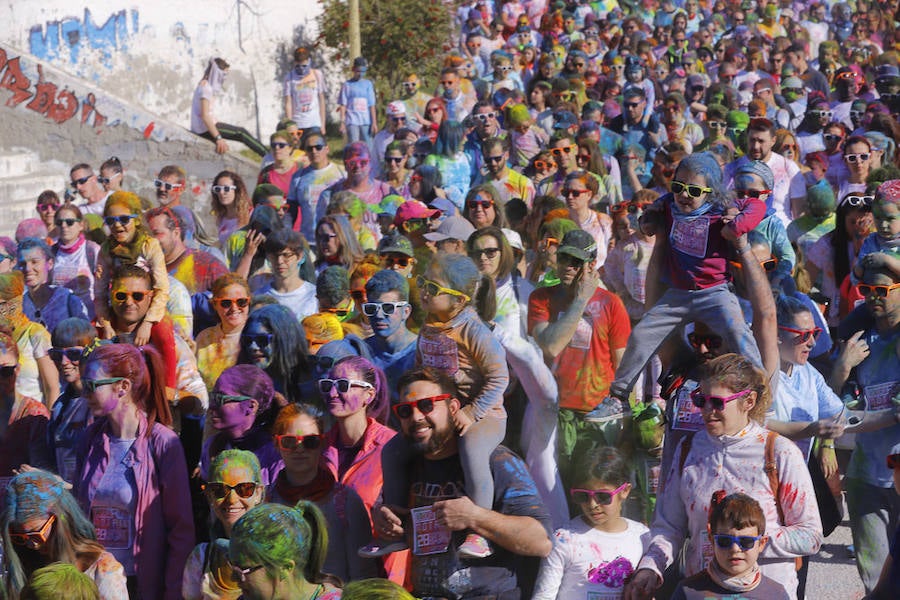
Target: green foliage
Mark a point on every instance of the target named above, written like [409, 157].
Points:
[398, 37]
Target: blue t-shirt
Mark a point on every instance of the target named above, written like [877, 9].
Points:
[394, 365]
[358, 96]
[879, 377]
[804, 396]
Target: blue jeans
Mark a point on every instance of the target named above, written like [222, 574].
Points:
[715, 306]
[359, 133]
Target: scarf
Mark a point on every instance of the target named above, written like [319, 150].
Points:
[734, 584]
[314, 491]
[126, 253]
[680, 216]
[73, 247]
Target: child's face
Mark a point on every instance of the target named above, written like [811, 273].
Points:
[121, 233]
[442, 305]
[602, 516]
[887, 218]
[734, 560]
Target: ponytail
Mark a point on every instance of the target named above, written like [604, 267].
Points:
[318, 544]
[155, 401]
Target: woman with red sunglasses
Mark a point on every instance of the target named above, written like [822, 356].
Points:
[298, 436]
[43, 524]
[218, 347]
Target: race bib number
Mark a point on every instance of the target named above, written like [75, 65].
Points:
[687, 416]
[359, 105]
[878, 396]
[113, 527]
[440, 352]
[651, 472]
[583, 334]
[604, 595]
[706, 552]
[428, 536]
[690, 237]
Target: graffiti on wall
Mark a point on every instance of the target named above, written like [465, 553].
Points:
[44, 97]
[73, 36]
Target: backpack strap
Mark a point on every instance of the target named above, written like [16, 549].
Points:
[771, 469]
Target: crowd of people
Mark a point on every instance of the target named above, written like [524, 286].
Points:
[612, 313]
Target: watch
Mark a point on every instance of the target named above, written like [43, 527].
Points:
[218, 137]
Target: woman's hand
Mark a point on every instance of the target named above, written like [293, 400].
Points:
[828, 462]
[142, 333]
[462, 421]
[642, 585]
[221, 146]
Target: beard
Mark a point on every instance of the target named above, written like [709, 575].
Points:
[439, 438]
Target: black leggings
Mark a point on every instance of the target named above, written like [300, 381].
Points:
[238, 134]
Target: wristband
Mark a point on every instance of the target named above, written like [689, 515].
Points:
[218, 137]
[828, 444]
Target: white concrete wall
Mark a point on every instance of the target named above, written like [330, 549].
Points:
[153, 53]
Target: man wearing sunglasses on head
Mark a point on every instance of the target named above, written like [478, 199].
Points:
[196, 269]
[867, 375]
[517, 524]
[93, 196]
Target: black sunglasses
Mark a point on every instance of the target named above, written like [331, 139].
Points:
[122, 220]
[262, 340]
[220, 490]
[66, 222]
[73, 353]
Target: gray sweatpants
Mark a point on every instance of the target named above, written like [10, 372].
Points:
[717, 306]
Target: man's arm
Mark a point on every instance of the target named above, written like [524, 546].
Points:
[554, 337]
[520, 535]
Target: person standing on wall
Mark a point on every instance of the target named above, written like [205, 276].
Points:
[204, 124]
[304, 93]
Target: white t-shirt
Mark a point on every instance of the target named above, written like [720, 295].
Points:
[204, 90]
[304, 93]
[302, 301]
[578, 549]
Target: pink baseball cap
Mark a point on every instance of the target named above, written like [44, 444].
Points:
[413, 209]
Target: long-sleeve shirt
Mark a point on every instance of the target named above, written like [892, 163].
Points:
[464, 348]
[736, 464]
[699, 256]
[150, 258]
[163, 522]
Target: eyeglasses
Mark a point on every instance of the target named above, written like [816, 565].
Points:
[872, 291]
[485, 117]
[744, 542]
[408, 85]
[90, 385]
[343, 385]
[221, 398]
[165, 185]
[751, 193]
[716, 124]
[7, 257]
[433, 289]
[314, 147]
[36, 538]
[713, 342]
[832, 137]
[547, 242]
[338, 312]
[827, 114]
[855, 158]
[398, 119]
[279, 145]
[226, 303]
[66, 222]
[414, 224]
[803, 335]
[563, 150]
[434, 109]
[694, 191]
[219, 490]
[568, 193]
[47, 207]
[859, 200]
[404, 410]
[715, 402]
[122, 220]
[292, 442]
[573, 261]
[491, 253]
[358, 295]
[357, 163]
[122, 296]
[262, 340]
[494, 159]
[106, 180]
[82, 181]
[415, 177]
[600, 497]
[482, 204]
[284, 255]
[846, 75]
[73, 353]
[324, 236]
[370, 309]
[221, 189]
[323, 362]
[629, 207]
[543, 164]
[857, 114]
[400, 261]
[241, 574]
[393, 159]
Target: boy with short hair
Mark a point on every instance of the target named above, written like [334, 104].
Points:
[737, 530]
